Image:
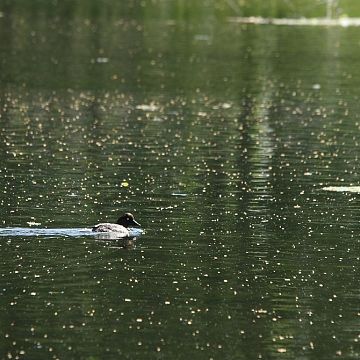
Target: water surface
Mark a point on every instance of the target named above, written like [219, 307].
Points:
[220, 138]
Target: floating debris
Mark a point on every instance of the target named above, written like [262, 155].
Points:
[147, 107]
[179, 194]
[351, 189]
[102, 60]
[257, 20]
[33, 223]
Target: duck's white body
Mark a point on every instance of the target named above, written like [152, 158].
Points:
[108, 227]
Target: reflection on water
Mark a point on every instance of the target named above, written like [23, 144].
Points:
[224, 140]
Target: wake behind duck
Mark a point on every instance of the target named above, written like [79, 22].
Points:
[123, 228]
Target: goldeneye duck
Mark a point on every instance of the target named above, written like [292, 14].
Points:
[121, 226]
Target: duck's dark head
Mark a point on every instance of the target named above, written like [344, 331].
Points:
[127, 220]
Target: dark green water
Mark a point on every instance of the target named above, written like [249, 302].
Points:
[219, 138]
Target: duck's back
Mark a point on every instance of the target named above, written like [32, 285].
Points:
[107, 227]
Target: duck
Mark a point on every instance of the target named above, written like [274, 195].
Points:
[120, 227]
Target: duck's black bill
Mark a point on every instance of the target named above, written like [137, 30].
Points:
[135, 223]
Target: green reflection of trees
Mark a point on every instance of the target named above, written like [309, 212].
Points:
[178, 10]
